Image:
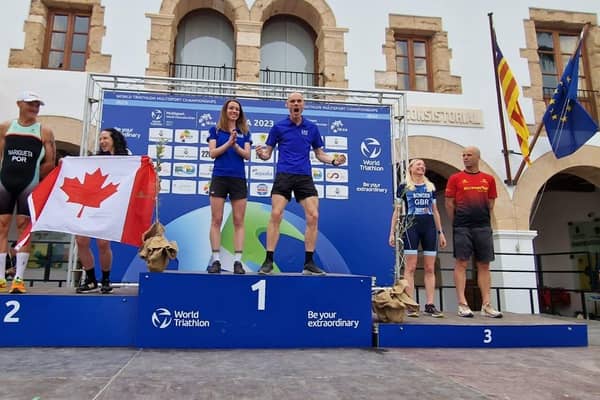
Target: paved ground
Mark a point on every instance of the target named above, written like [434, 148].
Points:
[106, 373]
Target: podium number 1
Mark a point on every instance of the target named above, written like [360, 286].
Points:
[261, 287]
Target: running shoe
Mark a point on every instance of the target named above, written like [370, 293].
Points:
[18, 286]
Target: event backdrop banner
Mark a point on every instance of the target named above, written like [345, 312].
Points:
[355, 199]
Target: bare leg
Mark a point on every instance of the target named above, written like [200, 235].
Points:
[239, 211]
[86, 257]
[429, 278]
[460, 280]
[410, 266]
[105, 254]
[311, 213]
[484, 280]
[5, 220]
[216, 211]
[278, 203]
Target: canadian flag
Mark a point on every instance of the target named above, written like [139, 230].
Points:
[106, 197]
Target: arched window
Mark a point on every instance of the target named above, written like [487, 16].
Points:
[287, 52]
[204, 47]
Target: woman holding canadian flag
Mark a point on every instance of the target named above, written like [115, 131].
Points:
[112, 142]
[111, 199]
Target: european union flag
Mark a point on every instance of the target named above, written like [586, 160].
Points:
[567, 123]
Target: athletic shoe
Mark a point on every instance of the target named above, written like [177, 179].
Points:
[434, 312]
[266, 268]
[238, 268]
[488, 311]
[18, 286]
[3, 285]
[88, 287]
[215, 267]
[310, 268]
[464, 311]
[412, 312]
[106, 288]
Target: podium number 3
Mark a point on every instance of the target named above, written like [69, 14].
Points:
[487, 336]
[261, 287]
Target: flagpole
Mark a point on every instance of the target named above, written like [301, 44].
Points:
[499, 100]
[541, 123]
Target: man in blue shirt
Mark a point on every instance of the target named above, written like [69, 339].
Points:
[295, 136]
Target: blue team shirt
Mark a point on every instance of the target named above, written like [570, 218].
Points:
[418, 201]
[295, 143]
[229, 163]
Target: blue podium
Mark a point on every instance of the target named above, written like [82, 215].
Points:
[185, 310]
[67, 319]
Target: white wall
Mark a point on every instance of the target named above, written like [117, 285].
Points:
[465, 21]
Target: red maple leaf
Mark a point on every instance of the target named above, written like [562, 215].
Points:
[90, 192]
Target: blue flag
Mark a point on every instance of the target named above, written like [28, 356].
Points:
[567, 123]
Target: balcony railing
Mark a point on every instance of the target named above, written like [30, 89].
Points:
[202, 72]
[587, 98]
[291, 78]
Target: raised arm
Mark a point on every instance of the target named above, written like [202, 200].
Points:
[337, 159]
[264, 151]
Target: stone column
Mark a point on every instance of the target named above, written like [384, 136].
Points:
[160, 45]
[518, 246]
[331, 57]
[247, 51]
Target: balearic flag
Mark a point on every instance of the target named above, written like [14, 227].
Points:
[510, 91]
[567, 123]
[106, 197]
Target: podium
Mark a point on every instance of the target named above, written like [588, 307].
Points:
[200, 310]
[183, 310]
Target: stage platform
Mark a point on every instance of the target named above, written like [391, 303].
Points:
[200, 310]
[513, 330]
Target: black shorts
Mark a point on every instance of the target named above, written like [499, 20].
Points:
[473, 241]
[421, 231]
[8, 199]
[302, 186]
[221, 186]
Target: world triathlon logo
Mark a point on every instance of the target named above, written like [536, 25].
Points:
[370, 148]
[161, 318]
[156, 115]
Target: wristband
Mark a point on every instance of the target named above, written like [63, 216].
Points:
[333, 162]
[440, 232]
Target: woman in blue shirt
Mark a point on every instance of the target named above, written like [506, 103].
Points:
[424, 227]
[229, 145]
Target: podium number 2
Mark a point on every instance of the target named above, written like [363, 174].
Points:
[261, 287]
[10, 315]
[487, 336]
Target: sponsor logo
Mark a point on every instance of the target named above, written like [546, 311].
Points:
[370, 148]
[304, 132]
[317, 174]
[261, 172]
[262, 189]
[156, 115]
[205, 120]
[185, 170]
[161, 318]
[337, 126]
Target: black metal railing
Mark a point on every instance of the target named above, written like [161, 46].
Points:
[202, 72]
[587, 98]
[292, 78]
[550, 298]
